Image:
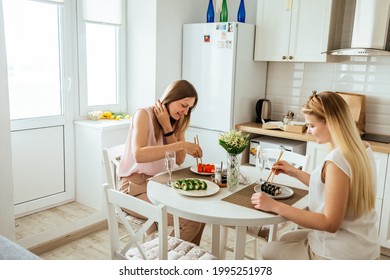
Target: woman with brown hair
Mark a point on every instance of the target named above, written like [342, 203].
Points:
[153, 131]
[341, 221]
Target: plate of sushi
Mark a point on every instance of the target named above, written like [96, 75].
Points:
[276, 191]
[195, 187]
[203, 169]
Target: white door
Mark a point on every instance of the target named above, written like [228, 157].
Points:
[39, 94]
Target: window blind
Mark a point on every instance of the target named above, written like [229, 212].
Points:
[103, 11]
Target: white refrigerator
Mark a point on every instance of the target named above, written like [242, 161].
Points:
[218, 61]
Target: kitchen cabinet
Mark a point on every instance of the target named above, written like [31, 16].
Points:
[295, 30]
[91, 138]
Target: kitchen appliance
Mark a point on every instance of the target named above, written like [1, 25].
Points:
[263, 110]
[267, 142]
[218, 61]
[365, 28]
[376, 138]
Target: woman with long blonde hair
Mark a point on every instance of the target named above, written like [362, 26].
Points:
[341, 221]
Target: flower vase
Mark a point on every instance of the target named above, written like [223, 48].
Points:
[241, 12]
[233, 171]
[210, 12]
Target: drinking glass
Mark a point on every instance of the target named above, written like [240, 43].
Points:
[170, 160]
[261, 161]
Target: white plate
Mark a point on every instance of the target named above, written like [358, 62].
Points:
[286, 191]
[212, 188]
[194, 169]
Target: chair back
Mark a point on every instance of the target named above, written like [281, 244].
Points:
[112, 158]
[297, 160]
[120, 244]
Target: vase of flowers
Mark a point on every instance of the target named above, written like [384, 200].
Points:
[234, 143]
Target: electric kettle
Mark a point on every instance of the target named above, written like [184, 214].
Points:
[263, 110]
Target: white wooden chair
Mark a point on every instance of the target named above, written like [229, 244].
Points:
[267, 233]
[112, 158]
[131, 245]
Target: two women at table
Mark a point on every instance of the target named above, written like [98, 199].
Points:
[153, 131]
[341, 221]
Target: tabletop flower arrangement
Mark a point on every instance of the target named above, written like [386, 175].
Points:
[234, 143]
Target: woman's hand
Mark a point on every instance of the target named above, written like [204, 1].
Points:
[162, 116]
[263, 202]
[283, 167]
[193, 149]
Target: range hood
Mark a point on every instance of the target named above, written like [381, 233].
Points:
[369, 24]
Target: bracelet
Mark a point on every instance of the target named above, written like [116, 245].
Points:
[168, 134]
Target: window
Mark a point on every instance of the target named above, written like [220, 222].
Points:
[102, 71]
[101, 55]
[34, 59]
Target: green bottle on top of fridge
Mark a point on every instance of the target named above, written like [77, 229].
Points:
[223, 17]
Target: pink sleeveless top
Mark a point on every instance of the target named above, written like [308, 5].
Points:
[129, 166]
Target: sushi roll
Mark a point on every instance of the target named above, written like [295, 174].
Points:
[204, 185]
[184, 185]
[191, 186]
[197, 184]
[271, 189]
[177, 184]
[187, 185]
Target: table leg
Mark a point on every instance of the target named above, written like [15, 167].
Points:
[176, 226]
[215, 236]
[239, 248]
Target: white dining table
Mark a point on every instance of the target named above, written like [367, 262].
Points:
[217, 212]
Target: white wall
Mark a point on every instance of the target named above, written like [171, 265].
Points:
[7, 228]
[156, 61]
[289, 85]
[155, 40]
[141, 59]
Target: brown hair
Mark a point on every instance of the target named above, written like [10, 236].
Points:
[177, 90]
[334, 111]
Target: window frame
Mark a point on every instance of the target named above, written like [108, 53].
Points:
[121, 106]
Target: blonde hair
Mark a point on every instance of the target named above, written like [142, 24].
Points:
[177, 90]
[333, 110]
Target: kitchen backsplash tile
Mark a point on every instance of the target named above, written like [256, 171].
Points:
[289, 85]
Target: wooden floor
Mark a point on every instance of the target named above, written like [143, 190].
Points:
[95, 245]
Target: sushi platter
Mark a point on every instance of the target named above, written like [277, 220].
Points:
[203, 169]
[274, 190]
[195, 187]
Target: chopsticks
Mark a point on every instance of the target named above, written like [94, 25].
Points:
[196, 141]
[271, 173]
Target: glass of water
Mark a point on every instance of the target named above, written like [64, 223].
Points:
[261, 161]
[170, 160]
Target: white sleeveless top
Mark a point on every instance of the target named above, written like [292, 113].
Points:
[129, 166]
[355, 239]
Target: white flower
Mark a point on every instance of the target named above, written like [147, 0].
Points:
[233, 142]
